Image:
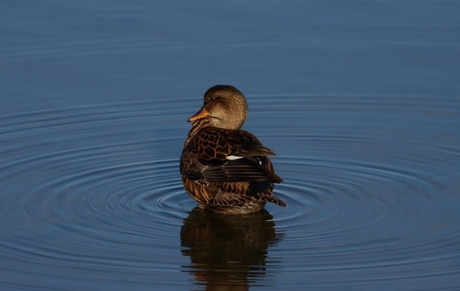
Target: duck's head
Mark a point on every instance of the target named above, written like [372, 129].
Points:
[224, 107]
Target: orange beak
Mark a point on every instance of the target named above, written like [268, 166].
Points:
[199, 115]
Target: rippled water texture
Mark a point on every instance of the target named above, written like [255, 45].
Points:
[363, 112]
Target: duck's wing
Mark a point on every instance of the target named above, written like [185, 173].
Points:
[217, 155]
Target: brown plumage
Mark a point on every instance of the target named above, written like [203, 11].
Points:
[226, 169]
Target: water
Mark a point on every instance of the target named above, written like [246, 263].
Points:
[359, 100]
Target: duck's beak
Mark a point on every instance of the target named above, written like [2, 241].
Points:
[199, 115]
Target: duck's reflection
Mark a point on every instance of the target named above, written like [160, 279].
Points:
[227, 252]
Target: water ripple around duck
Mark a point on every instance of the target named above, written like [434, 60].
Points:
[96, 189]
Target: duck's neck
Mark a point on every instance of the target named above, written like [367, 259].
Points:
[196, 126]
[205, 122]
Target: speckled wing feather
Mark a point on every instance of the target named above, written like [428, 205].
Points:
[241, 170]
[205, 157]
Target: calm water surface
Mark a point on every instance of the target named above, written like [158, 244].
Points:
[360, 102]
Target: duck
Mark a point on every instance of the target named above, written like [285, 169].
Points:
[226, 169]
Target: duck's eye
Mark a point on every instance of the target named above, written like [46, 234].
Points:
[212, 98]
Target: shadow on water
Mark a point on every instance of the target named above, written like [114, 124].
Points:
[227, 252]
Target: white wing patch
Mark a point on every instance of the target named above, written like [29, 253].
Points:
[231, 157]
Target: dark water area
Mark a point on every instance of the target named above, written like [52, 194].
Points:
[360, 101]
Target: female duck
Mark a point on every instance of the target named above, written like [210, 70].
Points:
[226, 169]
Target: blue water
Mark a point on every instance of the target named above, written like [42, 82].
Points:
[360, 101]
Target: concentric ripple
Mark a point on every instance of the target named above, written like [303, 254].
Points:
[92, 198]
[82, 195]
[375, 207]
